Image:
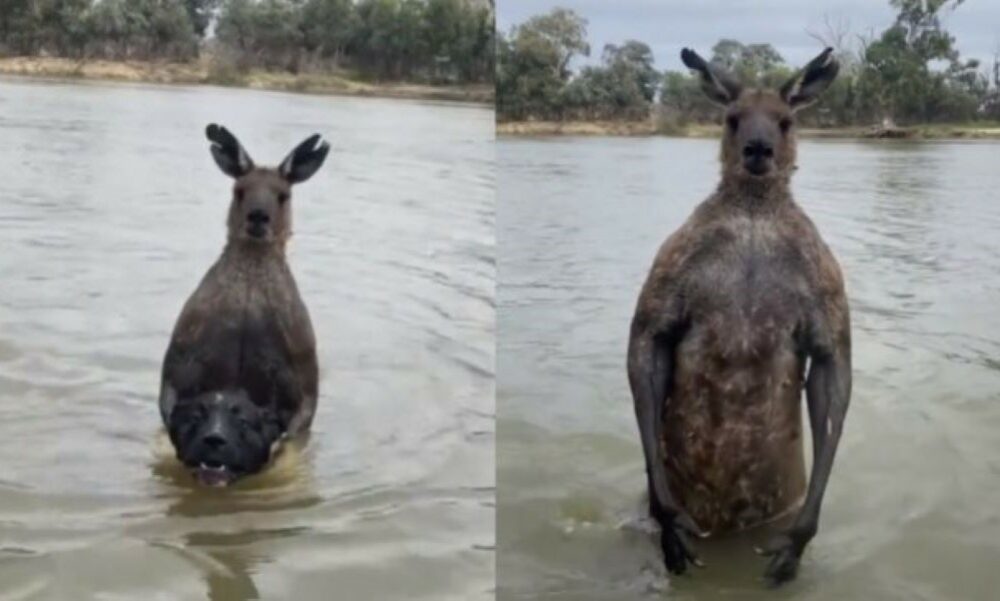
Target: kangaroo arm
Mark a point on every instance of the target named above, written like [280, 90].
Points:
[828, 394]
[650, 367]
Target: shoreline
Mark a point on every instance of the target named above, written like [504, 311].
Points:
[201, 72]
[932, 131]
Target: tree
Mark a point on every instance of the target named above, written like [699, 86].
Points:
[621, 88]
[682, 98]
[559, 35]
[633, 61]
[200, 14]
[751, 63]
[389, 38]
[727, 52]
[896, 71]
[911, 71]
[327, 26]
[17, 27]
[427, 40]
[60, 25]
[533, 64]
[459, 35]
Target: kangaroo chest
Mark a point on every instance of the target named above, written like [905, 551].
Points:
[732, 420]
[247, 328]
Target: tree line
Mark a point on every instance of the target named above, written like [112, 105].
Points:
[420, 40]
[909, 73]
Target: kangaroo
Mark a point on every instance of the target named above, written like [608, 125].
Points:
[739, 300]
[240, 374]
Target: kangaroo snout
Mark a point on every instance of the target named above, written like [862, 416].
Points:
[258, 217]
[758, 148]
[757, 155]
[257, 222]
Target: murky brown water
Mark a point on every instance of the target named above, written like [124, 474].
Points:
[110, 212]
[912, 508]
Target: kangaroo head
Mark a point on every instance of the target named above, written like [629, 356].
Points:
[758, 140]
[260, 211]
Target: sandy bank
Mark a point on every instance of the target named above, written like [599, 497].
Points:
[200, 72]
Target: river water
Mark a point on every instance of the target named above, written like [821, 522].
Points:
[111, 209]
[911, 511]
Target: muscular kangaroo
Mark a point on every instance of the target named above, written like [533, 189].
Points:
[240, 372]
[738, 302]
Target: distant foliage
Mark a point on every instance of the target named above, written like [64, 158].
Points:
[533, 64]
[422, 40]
[115, 29]
[895, 77]
[909, 73]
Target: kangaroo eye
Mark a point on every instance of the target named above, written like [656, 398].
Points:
[733, 121]
[785, 124]
[283, 197]
[238, 193]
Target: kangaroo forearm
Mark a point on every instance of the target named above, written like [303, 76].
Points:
[828, 392]
[649, 374]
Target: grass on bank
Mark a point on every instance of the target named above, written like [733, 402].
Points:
[931, 131]
[208, 72]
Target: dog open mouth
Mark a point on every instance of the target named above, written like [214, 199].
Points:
[214, 474]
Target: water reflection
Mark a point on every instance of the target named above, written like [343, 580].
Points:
[230, 560]
[227, 560]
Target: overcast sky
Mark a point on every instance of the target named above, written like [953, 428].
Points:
[669, 25]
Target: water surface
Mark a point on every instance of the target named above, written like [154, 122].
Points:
[911, 510]
[111, 209]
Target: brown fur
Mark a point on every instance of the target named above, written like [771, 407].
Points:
[737, 302]
[245, 327]
[262, 189]
[750, 269]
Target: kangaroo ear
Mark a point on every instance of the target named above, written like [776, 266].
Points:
[304, 160]
[227, 151]
[805, 86]
[719, 86]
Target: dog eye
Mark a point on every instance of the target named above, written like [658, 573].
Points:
[191, 415]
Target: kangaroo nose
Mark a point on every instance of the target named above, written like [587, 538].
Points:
[214, 440]
[758, 149]
[258, 217]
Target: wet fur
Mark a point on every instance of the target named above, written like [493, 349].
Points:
[740, 302]
[245, 327]
[746, 277]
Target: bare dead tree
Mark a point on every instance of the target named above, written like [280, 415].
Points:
[833, 32]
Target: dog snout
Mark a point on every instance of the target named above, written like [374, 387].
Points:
[214, 441]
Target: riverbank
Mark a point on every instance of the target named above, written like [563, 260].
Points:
[204, 72]
[937, 131]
